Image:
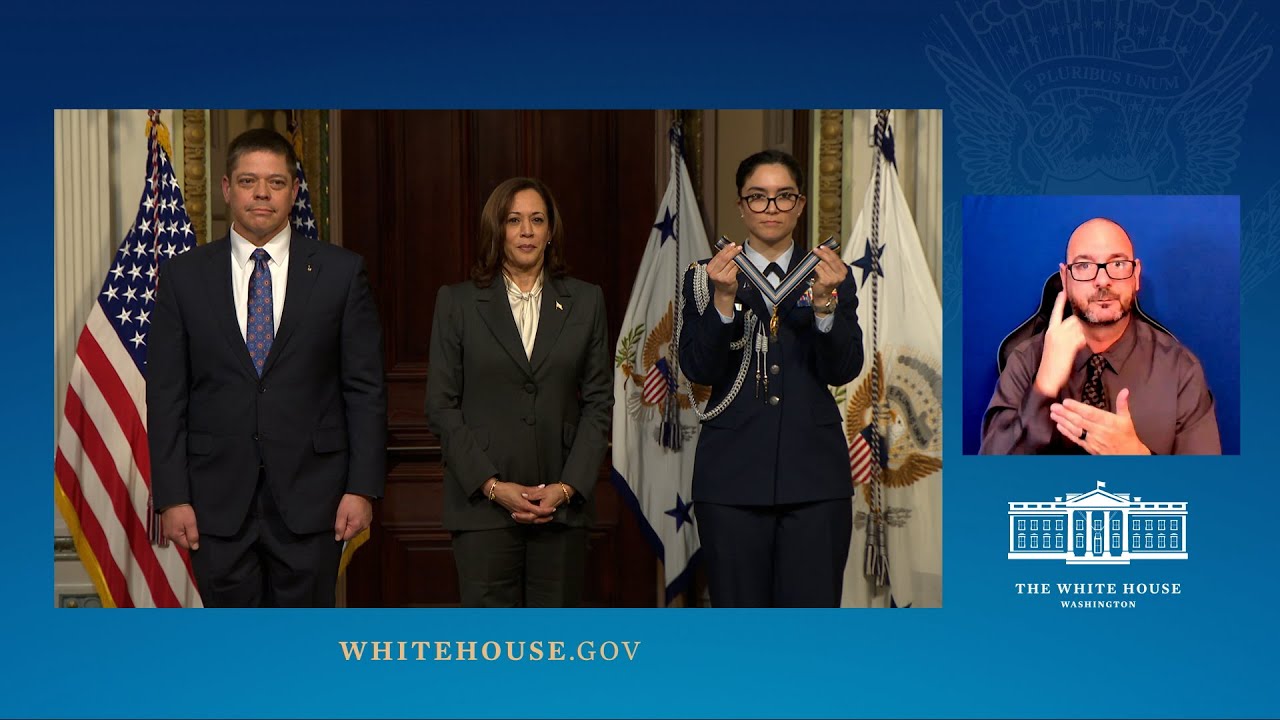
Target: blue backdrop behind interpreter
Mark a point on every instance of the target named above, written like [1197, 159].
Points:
[1190, 252]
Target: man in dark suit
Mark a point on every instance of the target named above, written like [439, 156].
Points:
[266, 446]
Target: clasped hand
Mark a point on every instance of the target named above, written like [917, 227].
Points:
[531, 504]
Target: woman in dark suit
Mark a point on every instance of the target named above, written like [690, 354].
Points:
[520, 392]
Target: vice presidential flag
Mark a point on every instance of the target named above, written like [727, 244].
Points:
[655, 429]
[893, 410]
[102, 469]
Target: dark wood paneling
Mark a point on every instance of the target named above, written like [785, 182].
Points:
[413, 185]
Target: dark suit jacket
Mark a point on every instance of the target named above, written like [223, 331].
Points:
[758, 452]
[525, 420]
[316, 420]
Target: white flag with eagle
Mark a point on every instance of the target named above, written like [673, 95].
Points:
[893, 410]
[655, 428]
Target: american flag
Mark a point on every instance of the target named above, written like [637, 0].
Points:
[860, 456]
[102, 469]
[302, 217]
[658, 382]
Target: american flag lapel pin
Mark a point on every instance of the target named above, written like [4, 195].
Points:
[559, 306]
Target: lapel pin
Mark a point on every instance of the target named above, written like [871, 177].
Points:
[308, 267]
[559, 306]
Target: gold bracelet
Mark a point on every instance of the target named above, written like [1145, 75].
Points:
[565, 490]
[493, 489]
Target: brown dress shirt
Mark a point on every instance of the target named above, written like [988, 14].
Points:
[1171, 406]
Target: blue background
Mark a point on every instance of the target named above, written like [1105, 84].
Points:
[988, 652]
[1190, 252]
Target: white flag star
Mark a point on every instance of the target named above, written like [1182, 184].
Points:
[110, 292]
[118, 271]
[140, 249]
[169, 250]
[135, 273]
[186, 229]
[144, 316]
[138, 340]
[130, 294]
[311, 224]
[150, 202]
[303, 188]
[148, 295]
[299, 203]
[123, 317]
[144, 226]
[151, 272]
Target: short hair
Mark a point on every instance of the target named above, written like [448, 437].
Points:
[770, 157]
[491, 251]
[262, 140]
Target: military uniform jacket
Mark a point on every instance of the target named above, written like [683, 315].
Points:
[782, 444]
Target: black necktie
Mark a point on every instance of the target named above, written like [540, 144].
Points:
[776, 271]
[1095, 393]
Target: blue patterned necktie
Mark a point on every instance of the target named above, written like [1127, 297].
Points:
[260, 330]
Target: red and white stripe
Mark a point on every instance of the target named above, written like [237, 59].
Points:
[860, 460]
[103, 469]
[655, 385]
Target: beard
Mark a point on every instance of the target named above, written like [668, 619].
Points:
[1091, 316]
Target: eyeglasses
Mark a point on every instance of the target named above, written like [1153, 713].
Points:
[1115, 269]
[759, 202]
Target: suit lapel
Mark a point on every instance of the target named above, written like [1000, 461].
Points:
[218, 277]
[556, 306]
[303, 272]
[495, 309]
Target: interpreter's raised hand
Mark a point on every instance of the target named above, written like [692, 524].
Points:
[355, 512]
[179, 525]
[1062, 340]
[1098, 431]
[831, 271]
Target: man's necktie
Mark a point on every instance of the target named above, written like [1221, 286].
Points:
[776, 271]
[260, 330]
[1095, 393]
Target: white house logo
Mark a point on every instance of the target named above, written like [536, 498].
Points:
[1098, 528]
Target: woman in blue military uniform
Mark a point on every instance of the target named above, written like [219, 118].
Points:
[770, 328]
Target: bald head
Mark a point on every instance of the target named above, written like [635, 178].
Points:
[1099, 240]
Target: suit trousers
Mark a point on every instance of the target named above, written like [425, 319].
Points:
[530, 565]
[776, 555]
[265, 564]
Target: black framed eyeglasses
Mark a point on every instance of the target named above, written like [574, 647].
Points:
[1115, 269]
[759, 202]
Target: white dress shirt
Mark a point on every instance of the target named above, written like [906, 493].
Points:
[822, 322]
[242, 272]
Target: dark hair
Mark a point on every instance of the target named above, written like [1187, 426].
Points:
[262, 140]
[770, 157]
[493, 234]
